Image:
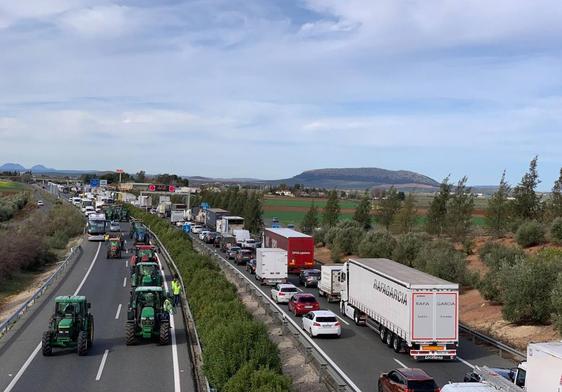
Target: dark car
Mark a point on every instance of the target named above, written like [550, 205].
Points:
[407, 380]
[243, 256]
[231, 253]
[210, 237]
[251, 266]
[303, 303]
[309, 277]
[508, 374]
[217, 241]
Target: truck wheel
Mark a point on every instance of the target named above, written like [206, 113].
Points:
[397, 344]
[82, 345]
[382, 333]
[46, 347]
[164, 337]
[389, 339]
[130, 333]
[356, 317]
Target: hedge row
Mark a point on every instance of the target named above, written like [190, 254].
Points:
[237, 353]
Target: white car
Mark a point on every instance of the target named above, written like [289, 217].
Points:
[114, 226]
[202, 234]
[197, 229]
[249, 243]
[89, 210]
[283, 292]
[468, 387]
[321, 322]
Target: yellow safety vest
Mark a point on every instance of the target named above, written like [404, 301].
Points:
[176, 288]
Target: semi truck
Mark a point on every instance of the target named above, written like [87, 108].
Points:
[213, 215]
[229, 223]
[177, 216]
[410, 310]
[330, 284]
[299, 247]
[271, 266]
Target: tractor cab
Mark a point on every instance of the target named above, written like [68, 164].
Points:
[71, 325]
[143, 253]
[146, 274]
[139, 233]
[114, 248]
[146, 317]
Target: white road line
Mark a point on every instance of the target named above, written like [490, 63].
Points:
[466, 362]
[126, 265]
[399, 363]
[125, 281]
[102, 364]
[118, 311]
[342, 320]
[175, 362]
[34, 353]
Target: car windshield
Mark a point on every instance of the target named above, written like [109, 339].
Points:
[234, 249]
[326, 319]
[315, 274]
[307, 300]
[246, 252]
[288, 289]
[422, 386]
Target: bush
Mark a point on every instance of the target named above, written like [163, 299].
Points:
[556, 299]
[377, 244]
[556, 231]
[407, 248]
[347, 237]
[530, 233]
[494, 255]
[441, 259]
[528, 286]
[237, 352]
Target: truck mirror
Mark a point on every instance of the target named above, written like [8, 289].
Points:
[89, 305]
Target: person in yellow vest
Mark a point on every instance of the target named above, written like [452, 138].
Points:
[168, 307]
[176, 290]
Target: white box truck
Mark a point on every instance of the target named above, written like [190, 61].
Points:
[409, 309]
[544, 367]
[271, 266]
[331, 284]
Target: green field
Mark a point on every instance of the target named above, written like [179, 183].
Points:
[10, 186]
[293, 217]
[307, 203]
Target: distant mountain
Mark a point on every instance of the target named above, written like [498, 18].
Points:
[12, 167]
[41, 169]
[360, 178]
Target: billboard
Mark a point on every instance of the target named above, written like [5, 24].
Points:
[161, 188]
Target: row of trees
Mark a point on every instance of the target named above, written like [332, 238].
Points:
[244, 203]
[141, 176]
[237, 353]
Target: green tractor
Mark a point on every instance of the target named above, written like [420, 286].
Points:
[146, 317]
[114, 248]
[146, 274]
[72, 326]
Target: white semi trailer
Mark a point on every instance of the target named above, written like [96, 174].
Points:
[410, 310]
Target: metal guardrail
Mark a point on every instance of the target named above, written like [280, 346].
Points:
[187, 315]
[329, 373]
[7, 324]
[502, 347]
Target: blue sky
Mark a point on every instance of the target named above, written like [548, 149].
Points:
[267, 89]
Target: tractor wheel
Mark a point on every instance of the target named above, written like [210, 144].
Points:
[91, 332]
[164, 338]
[82, 345]
[46, 346]
[130, 333]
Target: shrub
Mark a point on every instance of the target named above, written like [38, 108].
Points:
[377, 244]
[556, 231]
[530, 233]
[408, 247]
[439, 258]
[347, 237]
[556, 299]
[494, 255]
[248, 379]
[527, 287]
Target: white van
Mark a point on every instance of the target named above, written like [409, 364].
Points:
[468, 387]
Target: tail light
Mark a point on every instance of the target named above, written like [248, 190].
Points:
[281, 294]
[337, 324]
[316, 324]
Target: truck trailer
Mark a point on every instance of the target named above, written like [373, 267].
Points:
[271, 265]
[410, 310]
[229, 223]
[330, 284]
[212, 215]
[299, 247]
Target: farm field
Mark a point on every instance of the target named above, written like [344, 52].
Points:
[10, 186]
[292, 210]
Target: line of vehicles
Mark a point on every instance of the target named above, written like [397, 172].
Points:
[411, 311]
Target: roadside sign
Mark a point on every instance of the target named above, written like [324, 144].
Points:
[119, 171]
[103, 182]
[152, 187]
[95, 182]
[171, 188]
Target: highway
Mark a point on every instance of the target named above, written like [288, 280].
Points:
[363, 357]
[110, 365]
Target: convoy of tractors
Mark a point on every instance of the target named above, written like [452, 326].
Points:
[71, 326]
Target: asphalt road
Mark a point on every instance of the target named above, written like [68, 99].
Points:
[363, 357]
[110, 365]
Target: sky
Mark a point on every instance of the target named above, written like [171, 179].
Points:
[269, 88]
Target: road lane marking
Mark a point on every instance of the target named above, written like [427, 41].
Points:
[126, 264]
[38, 348]
[177, 386]
[118, 311]
[345, 322]
[102, 364]
[399, 363]
[466, 362]
[125, 281]
[89, 270]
